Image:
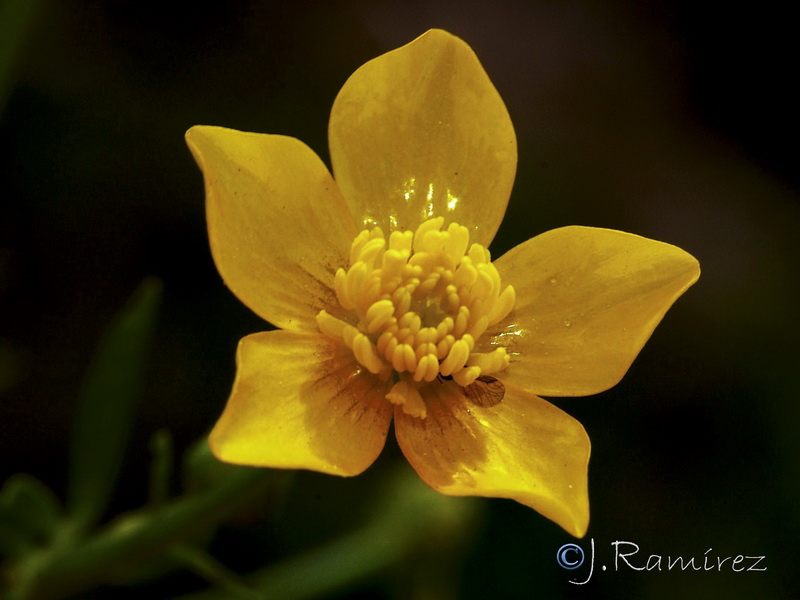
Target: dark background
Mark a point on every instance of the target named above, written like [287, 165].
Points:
[672, 120]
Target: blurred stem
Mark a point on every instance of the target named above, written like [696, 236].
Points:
[347, 560]
[199, 562]
[411, 521]
[68, 568]
[160, 468]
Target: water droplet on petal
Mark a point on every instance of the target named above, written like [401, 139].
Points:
[567, 323]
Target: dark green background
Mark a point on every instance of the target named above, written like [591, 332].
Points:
[672, 120]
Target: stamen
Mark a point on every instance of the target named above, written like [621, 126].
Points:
[466, 376]
[366, 355]
[443, 347]
[503, 305]
[417, 304]
[401, 241]
[491, 362]
[378, 314]
[456, 358]
[461, 321]
[476, 331]
[358, 244]
[444, 327]
[427, 368]
[330, 325]
[408, 397]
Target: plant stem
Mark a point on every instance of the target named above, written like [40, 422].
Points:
[68, 567]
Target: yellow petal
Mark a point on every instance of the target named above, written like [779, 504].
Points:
[277, 224]
[300, 402]
[422, 132]
[587, 300]
[523, 448]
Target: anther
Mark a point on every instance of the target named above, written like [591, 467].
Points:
[378, 314]
[415, 305]
[456, 358]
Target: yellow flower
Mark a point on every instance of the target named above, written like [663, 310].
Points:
[389, 306]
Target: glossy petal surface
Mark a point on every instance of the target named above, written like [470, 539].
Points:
[587, 301]
[421, 132]
[277, 224]
[523, 448]
[299, 402]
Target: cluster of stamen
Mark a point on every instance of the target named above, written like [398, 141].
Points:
[417, 307]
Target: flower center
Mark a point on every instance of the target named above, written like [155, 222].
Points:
[417, 306]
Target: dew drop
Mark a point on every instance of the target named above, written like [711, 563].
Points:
[553, 280]
[567, 323]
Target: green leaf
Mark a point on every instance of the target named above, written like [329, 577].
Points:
[17, 18]
[104, 414]
[29, 514]
[411, 523]
[134, 539]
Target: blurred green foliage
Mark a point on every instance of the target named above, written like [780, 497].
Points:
[104, 416]
[16, 19]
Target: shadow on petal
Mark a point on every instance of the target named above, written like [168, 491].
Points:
[301, 402]
[523, 448]
[448, 445]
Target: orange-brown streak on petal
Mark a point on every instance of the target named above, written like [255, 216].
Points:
[278, 226]
[301, 402]
[587, 301]
[523, 448]
[422, 132]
